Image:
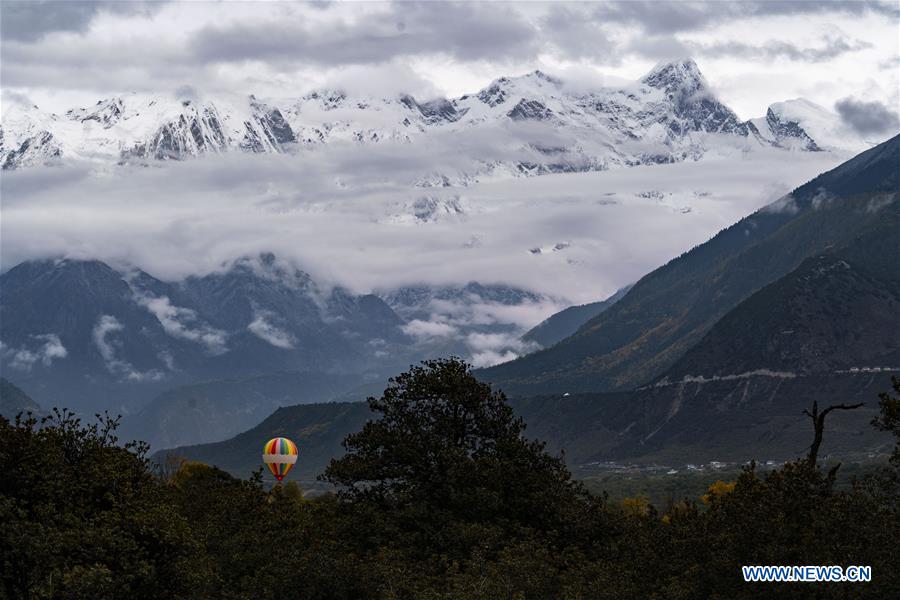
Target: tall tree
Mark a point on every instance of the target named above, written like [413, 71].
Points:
[448, 445]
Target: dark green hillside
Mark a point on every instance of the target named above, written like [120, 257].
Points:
[691, 422]
[567, 321]
[757, 417]
[829, 331]
[827, 315]
[13, 400]
[668, 311]
[874, 171]
[318, 430]
[216, 410]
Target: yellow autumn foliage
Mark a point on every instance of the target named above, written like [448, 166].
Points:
[637, 505]
[717, 490]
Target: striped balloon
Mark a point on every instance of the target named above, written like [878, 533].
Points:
[280, 454]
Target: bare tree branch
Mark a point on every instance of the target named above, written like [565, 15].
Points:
[818, 419]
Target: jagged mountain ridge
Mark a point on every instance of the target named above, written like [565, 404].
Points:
[666, 116]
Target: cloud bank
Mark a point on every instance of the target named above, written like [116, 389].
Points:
[334, 214]
[66, 53]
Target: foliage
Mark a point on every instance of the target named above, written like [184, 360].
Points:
[448, 448]
[717, 490]
[83, 517]
[889, 418]
[441, 496]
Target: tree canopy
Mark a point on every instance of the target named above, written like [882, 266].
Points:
[440, 496]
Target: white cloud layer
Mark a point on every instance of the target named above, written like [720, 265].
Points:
[190, 218]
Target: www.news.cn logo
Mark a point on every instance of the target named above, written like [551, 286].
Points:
[807, 573]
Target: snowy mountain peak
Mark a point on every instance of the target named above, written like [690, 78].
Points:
[327, 99]
[677, 76]
[799, 124]
[657, 119]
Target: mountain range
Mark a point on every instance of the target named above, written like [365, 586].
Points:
[94, 335]
[207, 356]
[714, 355]
[668, 311]
[516, 126]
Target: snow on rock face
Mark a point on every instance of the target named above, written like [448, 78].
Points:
[105, 112]
[674, 78]
[669, 115]
[789, 131]
[137, 127]
[804, 125]
[25, 138]
[695, 108]
[530, 109]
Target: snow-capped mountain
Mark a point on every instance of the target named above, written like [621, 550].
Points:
[136, 127]
[533, 124]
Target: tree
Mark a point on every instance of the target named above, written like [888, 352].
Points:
[448, 447]
[889, 417]
[818, 420]
[82, 517]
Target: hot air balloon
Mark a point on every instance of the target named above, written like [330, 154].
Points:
[280, 454]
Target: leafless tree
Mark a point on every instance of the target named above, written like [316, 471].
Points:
[818, 419]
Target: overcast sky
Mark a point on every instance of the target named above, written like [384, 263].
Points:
[843, 55]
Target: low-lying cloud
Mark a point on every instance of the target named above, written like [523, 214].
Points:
[491, 348]
[182, 323]
[331, 213]
[104, 330]
[263, 327]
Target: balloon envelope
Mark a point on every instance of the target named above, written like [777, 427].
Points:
[280, 454]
